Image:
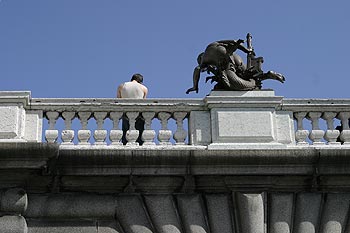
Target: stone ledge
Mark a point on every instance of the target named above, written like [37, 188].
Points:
[31, 155]
[103, 160]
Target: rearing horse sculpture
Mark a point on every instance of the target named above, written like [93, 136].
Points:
[228, 68]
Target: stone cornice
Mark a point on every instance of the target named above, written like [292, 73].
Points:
[315, 105]
[26, 155]
[114, 104]
[14, 97]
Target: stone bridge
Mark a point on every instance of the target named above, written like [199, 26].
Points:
[235, 162]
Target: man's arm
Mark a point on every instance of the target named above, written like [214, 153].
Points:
[145, 92]
[119, 95]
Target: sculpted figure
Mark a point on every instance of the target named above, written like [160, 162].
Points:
[228, 68]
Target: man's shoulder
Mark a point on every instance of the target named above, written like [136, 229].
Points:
[144, 87]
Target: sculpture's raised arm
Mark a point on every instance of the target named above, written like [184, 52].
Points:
[196, 76]
[232, 45]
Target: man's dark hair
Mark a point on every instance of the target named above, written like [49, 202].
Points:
[137, 77]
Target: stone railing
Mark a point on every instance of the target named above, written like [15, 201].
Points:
[220, 120]
[92, 115]
[320, 121]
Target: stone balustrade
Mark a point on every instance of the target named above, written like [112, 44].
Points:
[220, 120]
[93, 113]
[320, 121]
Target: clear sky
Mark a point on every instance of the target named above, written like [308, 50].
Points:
[86, 48]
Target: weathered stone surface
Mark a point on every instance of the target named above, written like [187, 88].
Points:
[258, 93]
[285, 127]
[162, 213]
[108, 227]
[62, 226]
[26, 155]
[160, 184]
[200, 133]
[241, 126]
[307, 211]
[250, 212]
[335, 213]
[71, 206]
[33, 126]
[192, 213]
[13, 201]
[131, 214]
[13, 224]
[11, 122]
[219, 213]
[281, 213]
[12, 115]
[240, 118]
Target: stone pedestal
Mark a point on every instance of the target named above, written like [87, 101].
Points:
[13, 117]
[248, 118]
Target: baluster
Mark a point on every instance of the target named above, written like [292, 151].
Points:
[84, 134]
[100, 134]
[67, 134]
[301, 133]
[148, 134]
[331, 134]
[180, 134]
[116, 134]
[316, 134]
[132, 134]
[164, 134]
[345, 133]
[51, 134]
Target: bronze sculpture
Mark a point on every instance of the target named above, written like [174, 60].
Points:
[228, 68]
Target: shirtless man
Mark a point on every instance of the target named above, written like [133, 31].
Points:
[133, 90]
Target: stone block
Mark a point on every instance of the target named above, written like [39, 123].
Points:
[199, 129]
[33, 126]
[281, 210]
[192, 213]
[132, 216]
[250, 212]
[11, 122]
[307, 212]
[335, 213]
[71, 206]
[248, 118]
[13, 224]
[62, 226]
[219, 214]
[12, 115]
[258, 93]
[242, 126]
[108, 227]
[13, 201]
[163, 214]
[285, 127]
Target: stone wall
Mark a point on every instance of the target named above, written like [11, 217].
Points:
[50, 188]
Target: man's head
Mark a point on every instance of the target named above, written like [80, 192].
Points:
[137, 77]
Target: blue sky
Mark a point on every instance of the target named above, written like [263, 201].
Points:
[85, 48]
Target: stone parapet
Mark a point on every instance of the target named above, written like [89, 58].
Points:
[221, 120]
